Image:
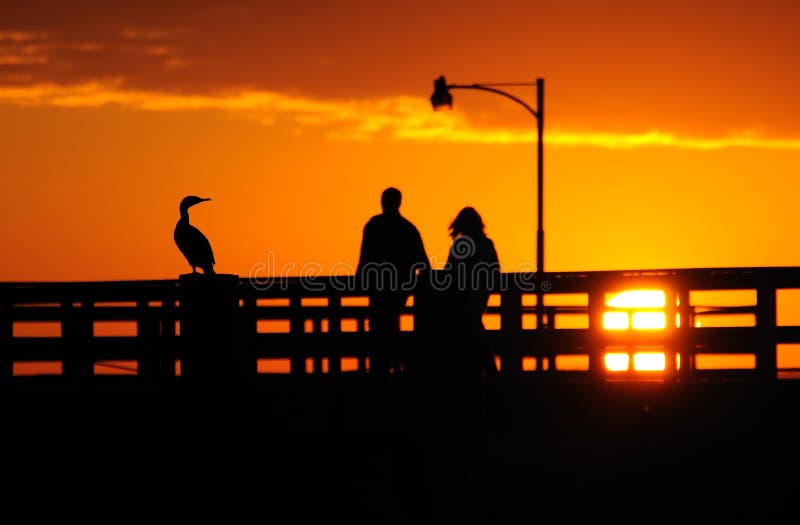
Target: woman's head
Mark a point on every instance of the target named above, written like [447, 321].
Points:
[467, 222]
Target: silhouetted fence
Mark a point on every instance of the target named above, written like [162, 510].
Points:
[670, 325]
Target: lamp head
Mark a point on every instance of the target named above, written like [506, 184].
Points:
[441, 95]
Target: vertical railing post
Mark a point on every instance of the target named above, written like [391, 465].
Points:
[247, 330]
[670, 326]
[335, 328]
[596, 306]
[316, 328]
[211, 353]
[147, 330]
[766, 358]
[511, 331]
[77, 333]
[683, 343]
[296, 328]
[168, 319]
[6, 335]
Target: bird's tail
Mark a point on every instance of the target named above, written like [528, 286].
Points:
[209, 270]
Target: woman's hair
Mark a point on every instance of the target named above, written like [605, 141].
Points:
[467, 222]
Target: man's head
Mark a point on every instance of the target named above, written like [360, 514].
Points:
[390, 200]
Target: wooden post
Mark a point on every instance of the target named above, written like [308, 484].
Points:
[596, 306]
[766, 358]
[683, 343]
[166, 342]
[296, 328]
[247, 331]
[6, 337]
[511, 327]
[672, 344]
[422, 356]
[147, 329]
[77, 333]
[335, 328]
[211, 350]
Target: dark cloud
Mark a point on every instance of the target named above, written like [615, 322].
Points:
[76, 42]
[314, 47]
[614, 64]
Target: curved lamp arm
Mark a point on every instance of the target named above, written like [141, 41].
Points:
[442, 97]
[487, 87]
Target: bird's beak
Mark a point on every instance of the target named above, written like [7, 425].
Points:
[207, 199]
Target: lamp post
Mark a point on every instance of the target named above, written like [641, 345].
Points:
[441, 97]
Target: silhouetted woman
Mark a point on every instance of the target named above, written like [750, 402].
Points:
[475, 267]
[463, 356]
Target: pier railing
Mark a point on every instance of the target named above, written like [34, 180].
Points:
[670, 325]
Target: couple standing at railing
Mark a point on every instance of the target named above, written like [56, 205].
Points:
[393, 259]
[452, 357]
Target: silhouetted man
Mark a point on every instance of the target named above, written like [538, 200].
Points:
[392, 252]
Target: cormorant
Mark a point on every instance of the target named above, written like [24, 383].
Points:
[191, 241]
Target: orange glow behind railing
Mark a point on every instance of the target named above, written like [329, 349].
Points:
[635, 310]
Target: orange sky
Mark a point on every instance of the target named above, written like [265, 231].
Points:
[672, 136]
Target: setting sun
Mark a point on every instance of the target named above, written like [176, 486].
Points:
[640, 310]
[637, 309]
[638, 299]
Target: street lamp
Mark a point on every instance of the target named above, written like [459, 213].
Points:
[441, 97]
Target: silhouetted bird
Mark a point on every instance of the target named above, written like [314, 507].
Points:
[191, 241]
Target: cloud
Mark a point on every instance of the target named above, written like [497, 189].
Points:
[23, 48]
[145, 34]
[13, 59]
[401, 118]
[23, 36]
[745, 139]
